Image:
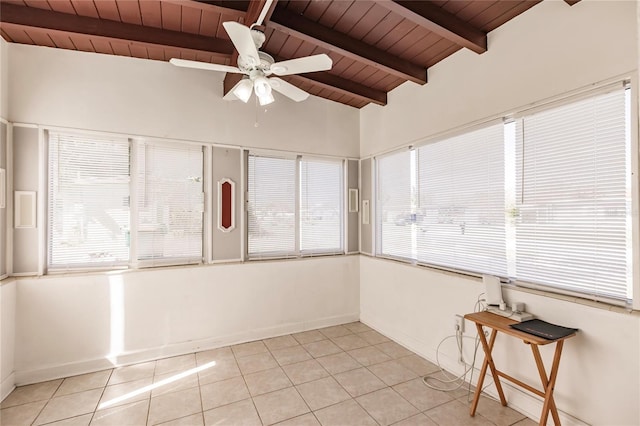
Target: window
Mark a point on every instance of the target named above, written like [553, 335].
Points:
[170, 203]
[461, 217]
[295, 206]
[88, 201]
[573, 196]
[544, 199]
[321, 200]
[90, 194]
[272, 206]
[395, 205]
[443, 203]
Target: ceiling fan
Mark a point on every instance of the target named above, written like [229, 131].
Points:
[258, 66]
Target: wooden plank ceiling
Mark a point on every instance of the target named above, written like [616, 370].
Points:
[375, 45]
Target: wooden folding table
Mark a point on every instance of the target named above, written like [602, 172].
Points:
[501, 324]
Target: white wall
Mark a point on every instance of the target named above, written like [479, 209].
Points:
[154, 98]
[7, 289]
[547, 51]
[599, 375]
[4, 79]
[64, 323]
[73, 324]
[7, 336]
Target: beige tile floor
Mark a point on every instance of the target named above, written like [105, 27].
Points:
[343, 375]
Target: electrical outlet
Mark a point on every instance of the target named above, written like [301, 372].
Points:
[459, 323]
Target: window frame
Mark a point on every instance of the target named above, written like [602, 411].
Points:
[566, 98]
[378, 247]
[47, 266]
[134, 144]
[137, 145]
[297, 252]
[342, 164]
[631, 118]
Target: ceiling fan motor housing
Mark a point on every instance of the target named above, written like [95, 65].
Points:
[265, 63]
[259, 66]
[258, 37]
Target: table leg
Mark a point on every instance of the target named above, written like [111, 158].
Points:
[548, 383]
[488, 362]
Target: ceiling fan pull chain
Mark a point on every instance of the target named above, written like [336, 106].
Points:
[256, 124]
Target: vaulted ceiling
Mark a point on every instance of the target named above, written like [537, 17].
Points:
[375, 45]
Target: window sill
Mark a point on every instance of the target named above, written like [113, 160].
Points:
[147, 268]
[513, 287]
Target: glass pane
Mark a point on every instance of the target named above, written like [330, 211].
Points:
[170, 202]
[88, 201]
[272, 206]
[573, 197]
[396, 217]
[321, 200]
[461, 215]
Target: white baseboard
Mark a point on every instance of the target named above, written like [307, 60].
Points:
[57, 371]
[518, 399]
[7, 386]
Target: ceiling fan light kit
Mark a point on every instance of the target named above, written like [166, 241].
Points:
[266, 99]
[243, 89]
[263, 90]
[258, 66]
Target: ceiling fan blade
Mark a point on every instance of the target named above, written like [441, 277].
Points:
[203, 65]
[301, 65]
[241, 38]
[288, 89]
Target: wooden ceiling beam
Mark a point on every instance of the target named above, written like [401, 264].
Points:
[56, 21]
[254, 10]
[211, 7]
[440, 22]
[239, 6]
[340, 85]
[302, 28]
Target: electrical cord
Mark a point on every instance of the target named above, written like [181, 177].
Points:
[449, 378]
[478, 307]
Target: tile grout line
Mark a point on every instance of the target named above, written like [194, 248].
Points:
[253, 403]
[153, 378]
[104, 388]
[47, 403]
[292, 384]
[462, 399]
[199, 388]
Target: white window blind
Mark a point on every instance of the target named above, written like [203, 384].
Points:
[460, 218]
[396, 216]
[88, 201]
[170, 203]
[573, 195]
[321, 206]
[272, 207]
